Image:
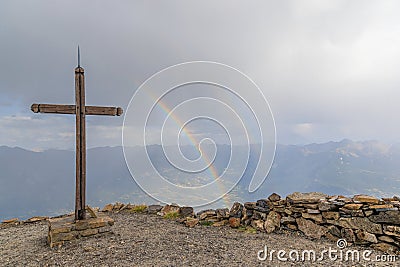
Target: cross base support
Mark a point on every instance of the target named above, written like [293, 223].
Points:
[66, 228]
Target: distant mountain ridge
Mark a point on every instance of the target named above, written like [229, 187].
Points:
[43, 183]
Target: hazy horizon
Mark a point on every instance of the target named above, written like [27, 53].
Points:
[329, 69]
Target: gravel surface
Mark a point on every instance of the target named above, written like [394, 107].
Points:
[149, 240]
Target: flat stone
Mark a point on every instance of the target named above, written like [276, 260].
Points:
[36, 219]
[97, 222]
[310, 229]
[386, 239]
[250, 205]
[365, 236]
[280, 209]
[295, 209]
[381, 206]
[292, 227]
[81, 225]
[392, 230]
[325, 206]
[331, 215]
[366, 199]
[224, 213]
[104, 229]
[389, 217]
[306, 206]
[274, 197]
[351, 213]
[352, 206]
[288, 220]
[63, 236]
[313, 197]
[344, 199]
[368, 212]
[13, 220]
[360, 223]
[206, 214]
[311, 211]
[89, 232]
[288, 211]
[263, 203]
[337, 204]
[315, 217]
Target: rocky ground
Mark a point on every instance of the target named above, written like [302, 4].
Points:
[150, 240]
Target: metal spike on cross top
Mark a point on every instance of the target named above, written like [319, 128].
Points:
[80, 110]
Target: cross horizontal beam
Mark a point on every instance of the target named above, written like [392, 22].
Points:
[71, 109]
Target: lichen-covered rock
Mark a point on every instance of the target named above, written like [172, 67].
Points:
[310, 229]
[186, 212]
[288, 220]
[331, 215]
[206, 214]
[222, 213]
[389, 217]
[315, 217]
[348, 234]
[274, 197]
[365, 236]
[360, 223]
[258, 224]
[313, 197]
[273, 222]
[236, 210]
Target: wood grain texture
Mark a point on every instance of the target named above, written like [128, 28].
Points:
[71, 109]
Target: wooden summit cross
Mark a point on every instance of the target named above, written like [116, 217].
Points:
[80, 110]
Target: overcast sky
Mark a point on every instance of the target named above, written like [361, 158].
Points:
[330, 69]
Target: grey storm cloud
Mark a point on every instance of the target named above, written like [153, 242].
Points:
[329, 69]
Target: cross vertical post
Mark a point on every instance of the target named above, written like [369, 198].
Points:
[80, 110]
[80, 196]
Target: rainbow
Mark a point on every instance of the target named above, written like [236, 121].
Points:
[212, 170]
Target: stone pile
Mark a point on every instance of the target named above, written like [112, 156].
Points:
[65, 228]
[362, 219]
